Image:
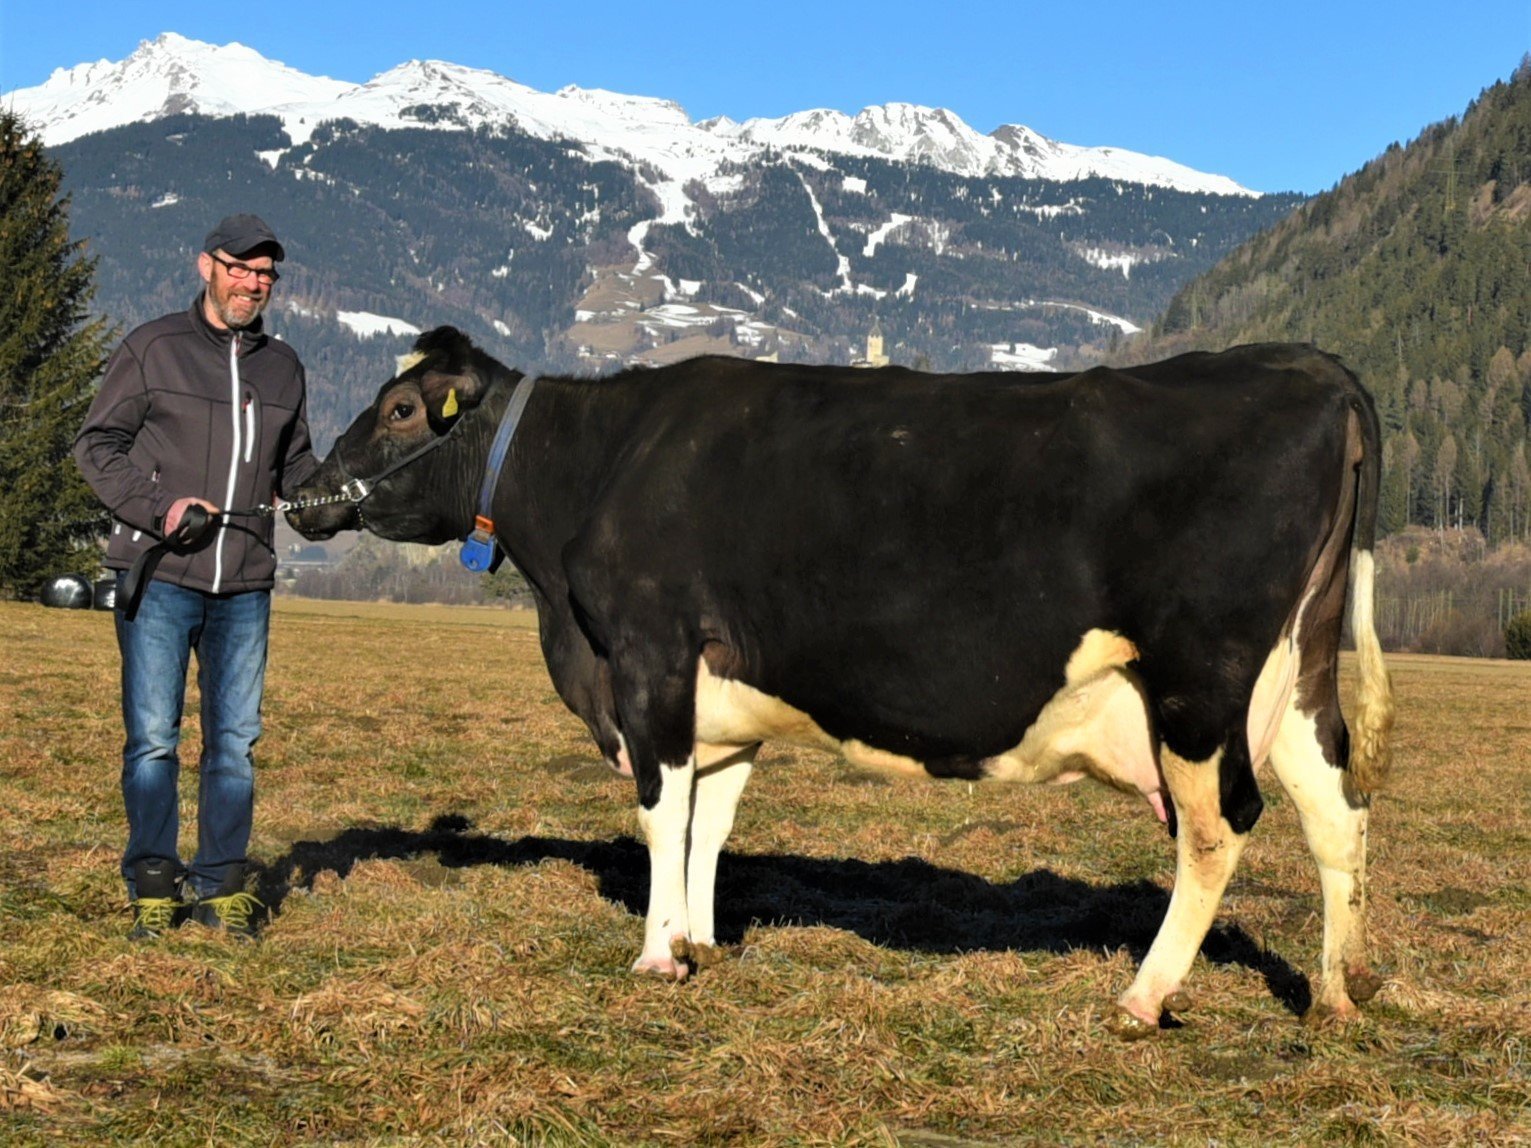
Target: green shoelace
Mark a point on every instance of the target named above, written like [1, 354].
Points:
[235, 910]
[154, 914]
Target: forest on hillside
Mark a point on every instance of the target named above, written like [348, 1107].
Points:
[1417, 272]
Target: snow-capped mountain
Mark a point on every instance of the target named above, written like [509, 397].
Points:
[167, 76]
[172, 75]
[939, 137]
[582, 229]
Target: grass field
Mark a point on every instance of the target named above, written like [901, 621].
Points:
[459, 892]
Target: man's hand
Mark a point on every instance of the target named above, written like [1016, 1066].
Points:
[178, 508]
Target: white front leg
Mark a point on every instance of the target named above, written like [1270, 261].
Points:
[667, 928]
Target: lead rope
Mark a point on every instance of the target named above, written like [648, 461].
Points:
[479, 548]
[195, 525]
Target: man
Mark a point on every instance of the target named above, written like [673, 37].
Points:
[197, 409]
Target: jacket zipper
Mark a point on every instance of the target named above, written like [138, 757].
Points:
[234, 453]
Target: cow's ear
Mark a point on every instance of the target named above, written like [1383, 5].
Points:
[448, 396]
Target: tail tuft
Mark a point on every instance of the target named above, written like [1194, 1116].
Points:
[1370, 743]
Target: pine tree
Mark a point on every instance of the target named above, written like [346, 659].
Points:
[50, 356]
[1393, 507]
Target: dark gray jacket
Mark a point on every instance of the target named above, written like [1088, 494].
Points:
[186, 409]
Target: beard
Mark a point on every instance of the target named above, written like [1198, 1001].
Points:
[237, 310]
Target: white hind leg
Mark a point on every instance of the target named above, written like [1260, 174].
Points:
[721, 775]
[1336, 833]
[1206, 850]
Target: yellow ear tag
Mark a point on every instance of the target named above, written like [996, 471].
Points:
[449, 408]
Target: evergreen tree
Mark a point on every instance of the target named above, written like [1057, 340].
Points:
[1393, 508]
[50, 356]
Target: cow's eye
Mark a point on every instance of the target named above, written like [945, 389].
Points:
[402, 411]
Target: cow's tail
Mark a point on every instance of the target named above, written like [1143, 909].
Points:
[1370, 744]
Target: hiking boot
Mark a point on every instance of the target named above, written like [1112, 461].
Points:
[157, 897]
[231, 908]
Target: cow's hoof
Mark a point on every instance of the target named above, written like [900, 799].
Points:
[1126, 1025]
[1361, 984]
[676, 971]
[1131, 1025]
[675, 967]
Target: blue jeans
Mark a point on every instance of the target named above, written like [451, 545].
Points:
[228, 632]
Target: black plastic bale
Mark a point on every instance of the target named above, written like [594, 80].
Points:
[68, 592]
[106, 593]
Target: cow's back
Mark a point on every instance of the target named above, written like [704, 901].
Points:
[912, 560]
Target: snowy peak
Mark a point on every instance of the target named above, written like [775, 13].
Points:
[637, 109]
[166, 76]
[1022, 141]
[172, 75]
[909, 133]
[419, 93]
[900, 132]
[930, 135]
[1037, 157]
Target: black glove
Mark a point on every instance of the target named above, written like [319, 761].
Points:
[195, 525]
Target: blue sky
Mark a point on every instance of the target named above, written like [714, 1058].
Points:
[1278, 94]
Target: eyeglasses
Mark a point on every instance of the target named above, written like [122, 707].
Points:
[244, 270]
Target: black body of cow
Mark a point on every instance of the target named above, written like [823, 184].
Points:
[1137, 574]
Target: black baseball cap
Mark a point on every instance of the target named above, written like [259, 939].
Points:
[242, 234]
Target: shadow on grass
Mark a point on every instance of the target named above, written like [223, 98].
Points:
[907, 904]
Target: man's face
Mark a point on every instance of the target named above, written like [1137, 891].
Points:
[238, 289]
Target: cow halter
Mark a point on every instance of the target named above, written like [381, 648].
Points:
[357, 490]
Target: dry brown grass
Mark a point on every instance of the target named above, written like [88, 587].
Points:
[459, 894]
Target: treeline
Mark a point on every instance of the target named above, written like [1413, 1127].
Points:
[1455, 450]
[1438, 591]
[1417, 271]
[376, 570]
[1450, 592]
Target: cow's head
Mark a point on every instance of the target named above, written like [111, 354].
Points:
[429, 497]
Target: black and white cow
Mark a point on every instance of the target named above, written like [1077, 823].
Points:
[1136, 575]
